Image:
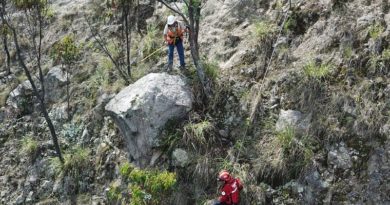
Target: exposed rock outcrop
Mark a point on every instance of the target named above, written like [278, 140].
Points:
[142, 109]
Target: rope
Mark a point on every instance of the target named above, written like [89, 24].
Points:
[151, 54]
[257, 99]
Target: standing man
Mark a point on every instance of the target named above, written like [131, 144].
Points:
[173, 36]
[230, 190]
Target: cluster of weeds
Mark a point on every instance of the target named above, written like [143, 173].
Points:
[143, 186]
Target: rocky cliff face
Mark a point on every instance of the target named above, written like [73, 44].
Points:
[300, 109]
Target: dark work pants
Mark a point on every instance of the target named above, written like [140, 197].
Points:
[180, 51]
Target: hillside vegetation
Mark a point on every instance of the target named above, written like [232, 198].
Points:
[299, 105]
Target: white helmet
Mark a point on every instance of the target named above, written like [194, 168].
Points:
[171, 20]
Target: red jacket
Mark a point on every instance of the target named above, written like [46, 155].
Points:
[230, 192]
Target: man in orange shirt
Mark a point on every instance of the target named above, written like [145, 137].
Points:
[173, 36]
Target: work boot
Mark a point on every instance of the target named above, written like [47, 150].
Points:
[169, 68]
[183, 69]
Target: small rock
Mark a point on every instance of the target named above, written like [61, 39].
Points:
[57, 186]
[293, 119]
[223, 133]
[339, 157]
[29, 198]
[19, 199]
[180, 157]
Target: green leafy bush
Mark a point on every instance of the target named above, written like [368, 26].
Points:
[376, 30]
[66, 50]
[386, 54]
[138, 176]
[145, 186]
[161, 182]
[114, 193]
[126, 169]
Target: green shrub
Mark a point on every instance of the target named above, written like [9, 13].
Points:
[139, 71]
[138, 195]
[312, 70]
[347, 52]
[75, 161]
[285, 137]
[161, 182]
[263, 29]
[386, 54]
[29, 145]
[146, 186]
[373, 63]
[71, 131]
[290, 24]
[196, 132]
[138, 176]
[211, 69]
[114, 193]
[376, 30]
[66, 50]
[126, 169]
[151, 44]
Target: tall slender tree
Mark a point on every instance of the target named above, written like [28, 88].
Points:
[127, 14]
[31, 8]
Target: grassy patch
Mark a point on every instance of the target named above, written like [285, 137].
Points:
[195, 133]
[312, 70]
[386, 54]
[262, 30]
[286, 137]
[151, 44]
[211, 69]
[139, 71]
[145, 186]
[75, 161]
[4, 93]
[376, 30]
[29, 145]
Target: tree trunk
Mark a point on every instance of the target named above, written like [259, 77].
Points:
[194, 29]
[41, 78]
[36, 93]
[126, 11]
[67, 91]
[8, 65]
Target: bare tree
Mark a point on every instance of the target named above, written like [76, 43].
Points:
[193, 22]
[30, 8]
[127, 17]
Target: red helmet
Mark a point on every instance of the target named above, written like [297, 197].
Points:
[224, 176]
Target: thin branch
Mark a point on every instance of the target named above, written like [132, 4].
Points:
[174, 10]
[98, 38]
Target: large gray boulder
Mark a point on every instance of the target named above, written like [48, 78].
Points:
[143, 108]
